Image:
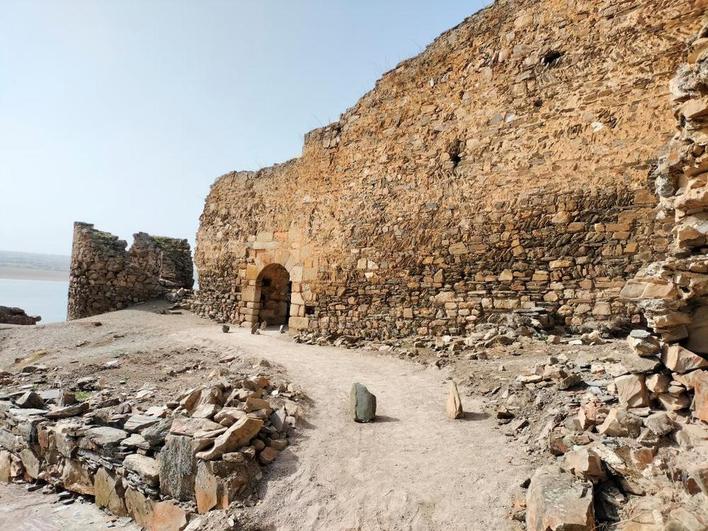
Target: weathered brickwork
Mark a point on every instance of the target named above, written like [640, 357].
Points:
[106, 277]
[509, 166]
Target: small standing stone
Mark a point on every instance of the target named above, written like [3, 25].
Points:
[454, 404]
[225, 328]
[362, 403]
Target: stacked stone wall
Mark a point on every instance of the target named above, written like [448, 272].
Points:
[508, 167]
[105, 276]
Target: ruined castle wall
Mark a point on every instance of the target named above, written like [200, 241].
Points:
[507, 167]
[105, 276]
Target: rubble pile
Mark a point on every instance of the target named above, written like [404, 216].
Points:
[628, 430]
[516, 330]
[159, 464]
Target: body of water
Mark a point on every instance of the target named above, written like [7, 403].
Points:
[36, 297]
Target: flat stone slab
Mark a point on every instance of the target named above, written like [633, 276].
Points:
[69, 411]
[105, 436]
[139, 422]
[190, 426]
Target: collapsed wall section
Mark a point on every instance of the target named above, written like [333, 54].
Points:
[674, 292]
[506, 168]
[105, 277]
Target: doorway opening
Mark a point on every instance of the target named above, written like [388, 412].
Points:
[275, 288]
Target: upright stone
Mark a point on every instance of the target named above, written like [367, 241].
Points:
[178, 467]
[110, 492]
[362, 404]
[454, 404]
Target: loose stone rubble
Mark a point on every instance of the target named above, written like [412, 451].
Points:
[17, 316]
[159, 465]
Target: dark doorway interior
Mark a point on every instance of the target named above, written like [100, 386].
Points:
[275, 287]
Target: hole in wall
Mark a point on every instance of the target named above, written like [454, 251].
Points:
[309, 310]
[551, 57]
[454, 152]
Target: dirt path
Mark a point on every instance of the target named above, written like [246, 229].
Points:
[413, 469]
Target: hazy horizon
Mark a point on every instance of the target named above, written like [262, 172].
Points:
[122, 114]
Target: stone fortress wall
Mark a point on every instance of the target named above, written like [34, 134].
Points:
[105, 276]
[508, 167]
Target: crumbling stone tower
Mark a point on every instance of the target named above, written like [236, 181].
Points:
[105, 276]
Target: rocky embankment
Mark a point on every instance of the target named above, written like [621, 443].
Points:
[17, 316]
[159, 464]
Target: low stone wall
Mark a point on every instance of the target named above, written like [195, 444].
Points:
[158, 465]
[106, 277]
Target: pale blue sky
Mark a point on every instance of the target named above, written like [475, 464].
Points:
[122, 113]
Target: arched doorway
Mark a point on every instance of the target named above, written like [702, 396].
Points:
[274, 286]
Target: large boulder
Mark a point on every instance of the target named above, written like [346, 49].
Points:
[218, 483]
[557, 501]
[362, 404]
[585, 464]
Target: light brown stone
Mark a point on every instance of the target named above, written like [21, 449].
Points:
[454, 404]
[5, 465]
[632, 391]
[620, 423]
[31, 463]
[681, 360]
[167, 516]
[145, 467]
[76, 478]
[700, 404]
[236, 436]
[585, 464]
[139, 507]
[657, 383]
[110, 492]
[556, 501]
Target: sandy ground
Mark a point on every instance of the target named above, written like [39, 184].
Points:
[412, 469]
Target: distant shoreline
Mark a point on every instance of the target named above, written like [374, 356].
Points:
[17, 273]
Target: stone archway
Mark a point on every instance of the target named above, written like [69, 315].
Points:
[274, 289]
